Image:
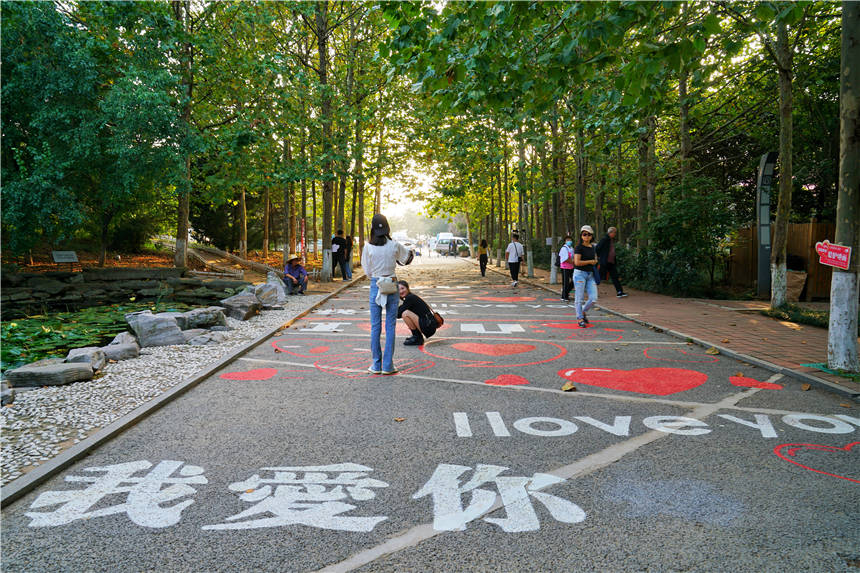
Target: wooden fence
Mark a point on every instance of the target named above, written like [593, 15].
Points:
[743, 264]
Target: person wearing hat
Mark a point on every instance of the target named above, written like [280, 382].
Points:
[295, 275]
[584, 261]
[379, 259]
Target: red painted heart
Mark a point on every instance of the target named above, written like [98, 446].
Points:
[745, 382]
[493, 349]
[507, 380]
[256, 374]
[788, 451]
[656, 381]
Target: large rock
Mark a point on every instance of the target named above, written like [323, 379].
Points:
[91, 355]
[192, 333]
[273, 279]
[179, 317]
[152, 330]
[242, 306]
[267, 294]
[124, 338]
[208, 339]
[205, 317]
[50, 375]
[121, 351]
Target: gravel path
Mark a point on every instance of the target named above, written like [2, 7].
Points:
[43, 422]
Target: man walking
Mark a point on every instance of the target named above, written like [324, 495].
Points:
[338, 255]
[606, 255]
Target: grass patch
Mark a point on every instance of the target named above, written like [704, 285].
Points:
[797, 314]
[29, 339]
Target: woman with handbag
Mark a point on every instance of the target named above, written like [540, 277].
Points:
[584, 261]
[514, 254]
[379, 259]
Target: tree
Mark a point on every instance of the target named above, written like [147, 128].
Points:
[845, 286]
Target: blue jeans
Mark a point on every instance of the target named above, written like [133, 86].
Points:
[348, 269]
[583, 281]
[384, 362]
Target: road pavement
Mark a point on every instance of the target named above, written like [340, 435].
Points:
[295, 458]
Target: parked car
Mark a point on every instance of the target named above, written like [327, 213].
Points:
[443, 246]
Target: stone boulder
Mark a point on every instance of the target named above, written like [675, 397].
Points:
[118, 352]
[152, 330]
[205, 317]
[50, 375]
[242, 306]
[267, 294]
[220, 328]
[273, 279]
[181, 320]
[124, 338]
[192, 333]
[91, 355]
[209, 338]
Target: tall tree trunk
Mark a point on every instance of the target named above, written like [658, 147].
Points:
[502, 244]
[684, 106]
[322, 31]
[491, 222]
[651, 166]
[600, 228]
[106, 217]
[783, 210]
[314, 196]
[291, 210]
[619, 206]
[642, 203]
[523, 207]
[379, 150]
[842, 349]
[304, 224]
[243, 224]
[469, 234]
[581, 173]
[359, 177]
[182, 13]
[266, 207]
[288, 199]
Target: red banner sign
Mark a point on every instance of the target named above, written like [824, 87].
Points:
[833, 255]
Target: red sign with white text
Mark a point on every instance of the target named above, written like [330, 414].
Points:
[833, 255]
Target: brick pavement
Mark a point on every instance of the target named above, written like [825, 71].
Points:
[732, 326]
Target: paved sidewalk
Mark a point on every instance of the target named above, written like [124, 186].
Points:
[734, 327]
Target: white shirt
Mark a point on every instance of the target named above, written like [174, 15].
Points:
[514, 251]
[382, 261]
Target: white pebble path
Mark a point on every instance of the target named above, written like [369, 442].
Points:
[42, 422]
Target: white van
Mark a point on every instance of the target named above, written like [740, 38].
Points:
[443, 245]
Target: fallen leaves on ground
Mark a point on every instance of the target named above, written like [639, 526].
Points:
[399, 419]
[724, 341]
[845, 405]
[712, 351]
[568, 387]
[805, 387]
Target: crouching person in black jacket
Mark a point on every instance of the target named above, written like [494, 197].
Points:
[417, 315]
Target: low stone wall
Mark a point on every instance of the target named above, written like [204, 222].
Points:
[33, 293]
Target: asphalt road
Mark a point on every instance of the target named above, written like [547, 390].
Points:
[295, 458]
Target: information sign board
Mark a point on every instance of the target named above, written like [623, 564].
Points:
[833, 255]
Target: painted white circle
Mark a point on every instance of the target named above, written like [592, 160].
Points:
[836, 426]
[565, 427]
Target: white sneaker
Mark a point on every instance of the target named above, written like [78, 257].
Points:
[514, 283]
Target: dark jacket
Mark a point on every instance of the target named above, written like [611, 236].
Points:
[602, 249]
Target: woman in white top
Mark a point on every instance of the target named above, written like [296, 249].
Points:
[514, 253]
[379, 259]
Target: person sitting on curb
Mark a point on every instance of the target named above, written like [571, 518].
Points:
[416, 314]
[295, 276]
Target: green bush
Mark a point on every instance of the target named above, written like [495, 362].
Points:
[688, 242]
